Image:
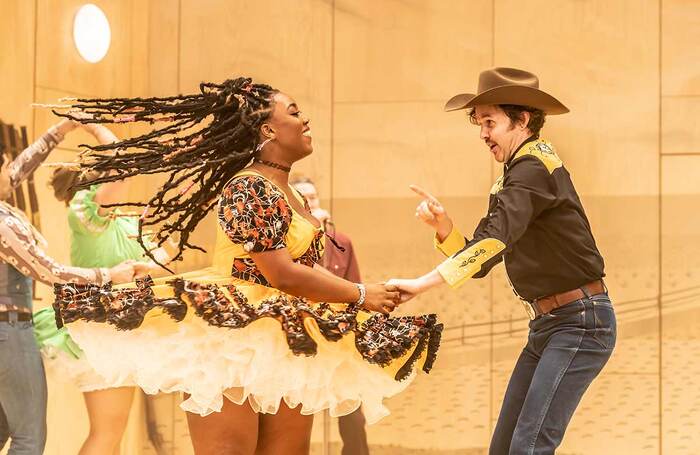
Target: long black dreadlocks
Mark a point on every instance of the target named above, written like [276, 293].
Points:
[206, 139]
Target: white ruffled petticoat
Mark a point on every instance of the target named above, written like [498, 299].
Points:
[253, 363]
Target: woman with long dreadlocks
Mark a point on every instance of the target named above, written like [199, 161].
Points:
[249, 328]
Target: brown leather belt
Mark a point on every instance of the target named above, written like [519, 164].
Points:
[23, 317]
[547, 304]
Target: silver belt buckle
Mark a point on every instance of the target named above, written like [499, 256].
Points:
[529, 309]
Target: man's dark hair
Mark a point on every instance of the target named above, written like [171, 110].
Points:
[514, 113]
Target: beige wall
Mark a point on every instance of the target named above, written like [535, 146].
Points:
[373, 76]
[680, 225]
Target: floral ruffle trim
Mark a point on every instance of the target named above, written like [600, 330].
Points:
[122, 308]
[380, 339]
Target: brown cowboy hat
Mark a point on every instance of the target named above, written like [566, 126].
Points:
[508, 86]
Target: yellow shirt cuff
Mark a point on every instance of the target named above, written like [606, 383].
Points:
[459, 268]
[452, 244]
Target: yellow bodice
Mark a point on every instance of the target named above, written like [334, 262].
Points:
[298, 238]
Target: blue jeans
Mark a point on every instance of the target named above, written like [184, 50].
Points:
[565, 351]
[22, 390]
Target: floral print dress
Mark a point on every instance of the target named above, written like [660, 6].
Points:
[225, 332]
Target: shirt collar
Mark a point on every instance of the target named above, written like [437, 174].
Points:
[534, 137]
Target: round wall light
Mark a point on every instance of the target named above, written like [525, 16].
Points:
[91, 33]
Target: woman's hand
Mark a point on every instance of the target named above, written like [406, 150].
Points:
[100, 132]
[142, 269]
[122, 273]
[65, 126]
[408, 288]
[432, 213]
[161, 255]
[381, 298]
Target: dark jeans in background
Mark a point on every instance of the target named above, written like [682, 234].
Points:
[22, 390]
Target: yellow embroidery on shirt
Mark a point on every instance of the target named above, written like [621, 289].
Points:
[460, 267]
[498, 186]
[542, 150]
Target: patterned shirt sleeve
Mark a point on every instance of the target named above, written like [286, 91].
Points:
[31, 157]
[19, 249]
[255, 214]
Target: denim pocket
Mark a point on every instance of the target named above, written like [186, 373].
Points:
[573, 308]
[605, 324]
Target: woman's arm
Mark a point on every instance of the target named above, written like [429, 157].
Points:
[296, 279]
[254, 214]
[18, 249]
[112, 192]
[31, 157]
[103, 134]
[324, 270]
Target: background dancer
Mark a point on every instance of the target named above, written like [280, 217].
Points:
[24, 259]
[100, 237]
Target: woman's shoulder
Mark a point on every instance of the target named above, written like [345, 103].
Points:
[251, 185]
[254, 212]
[248, 179]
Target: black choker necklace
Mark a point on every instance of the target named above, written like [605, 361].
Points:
[273, 165]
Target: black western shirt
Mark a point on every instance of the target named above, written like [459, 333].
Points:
[535, 224]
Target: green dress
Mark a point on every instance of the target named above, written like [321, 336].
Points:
[96, 241]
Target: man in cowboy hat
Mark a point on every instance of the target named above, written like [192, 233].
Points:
[537, 226]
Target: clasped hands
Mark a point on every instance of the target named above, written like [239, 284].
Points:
[401, 290]
[129, 270]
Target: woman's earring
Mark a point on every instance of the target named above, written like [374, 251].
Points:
[262, 144]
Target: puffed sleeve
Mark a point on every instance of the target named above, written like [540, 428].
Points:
[83, 213]
[255, 214]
